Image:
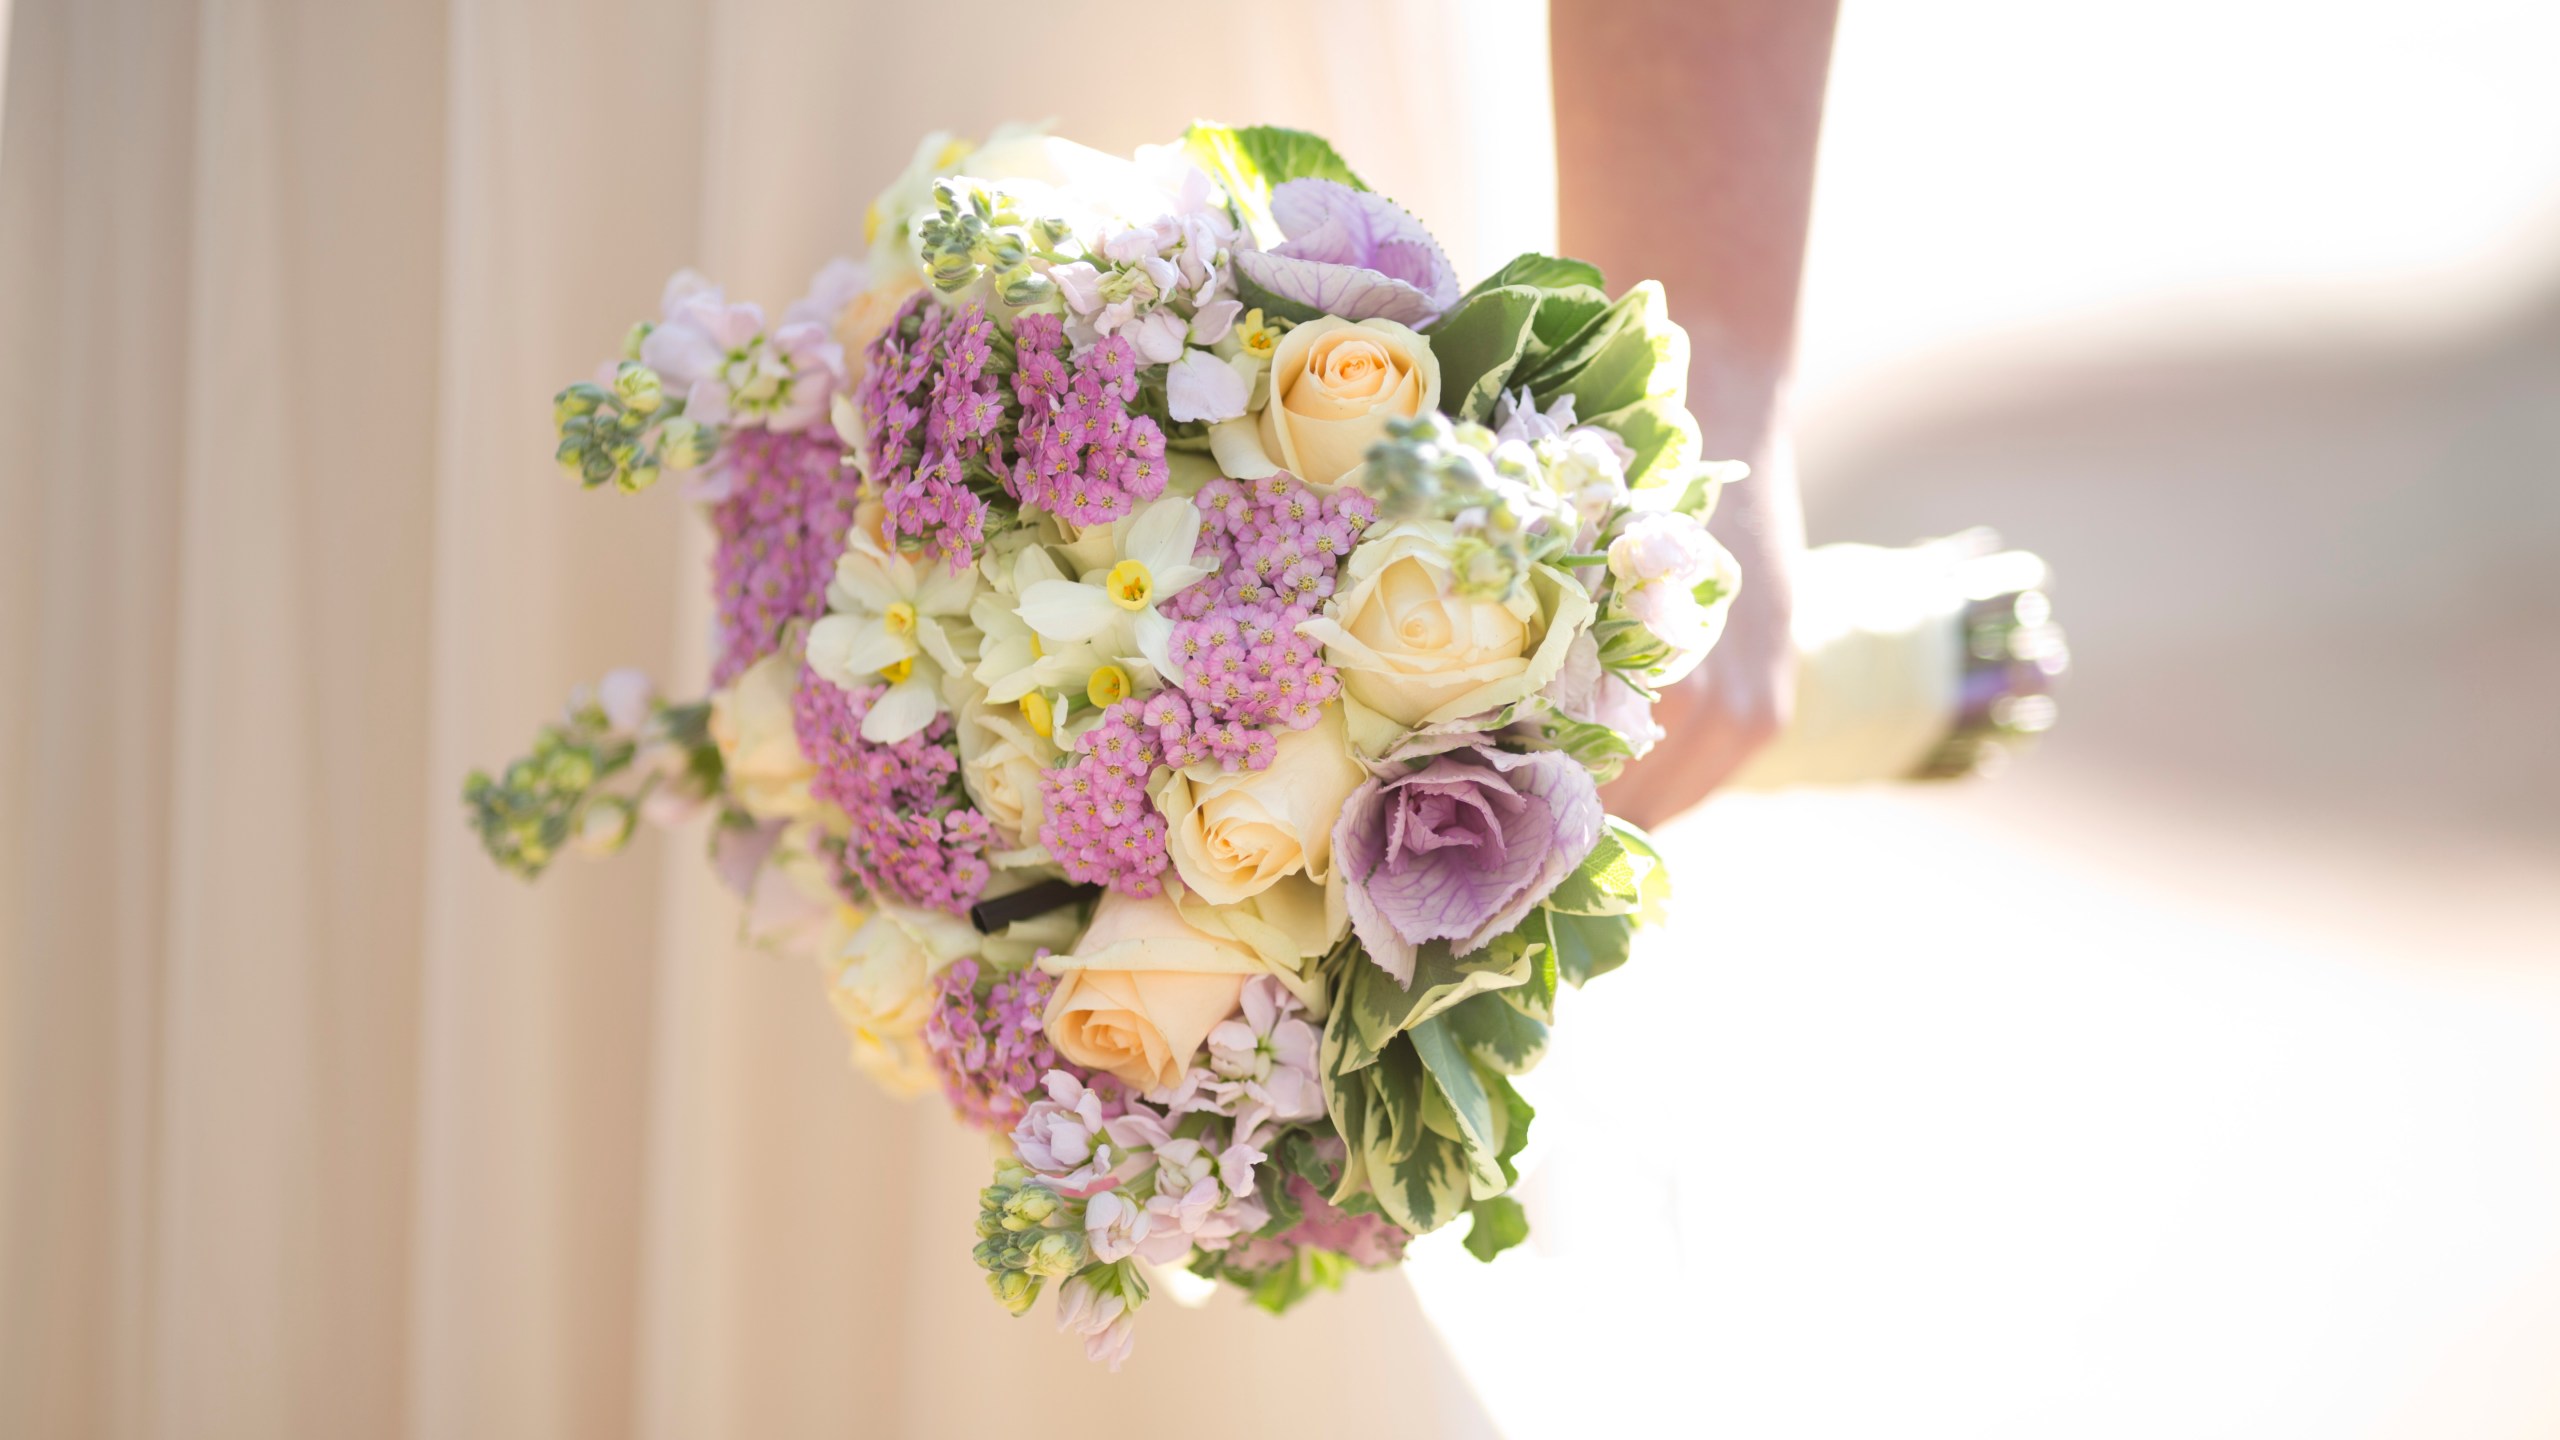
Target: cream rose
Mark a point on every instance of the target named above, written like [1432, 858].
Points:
[1236, 833]
[1334, 387]
[1413, 649]
[751, 725]
[1142, 990]
[1001, 765]
[882, 989]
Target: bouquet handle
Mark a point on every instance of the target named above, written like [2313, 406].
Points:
[1926, 662]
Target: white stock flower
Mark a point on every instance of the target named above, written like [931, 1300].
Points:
[1659, 561]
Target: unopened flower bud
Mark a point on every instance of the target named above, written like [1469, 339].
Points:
[1014, 1290]
[1023, 287]
[684, 444]
[1029, 1207]
[631, 341]
[1055, 1254]
[578, 400]
[638, 387]
[604, 827]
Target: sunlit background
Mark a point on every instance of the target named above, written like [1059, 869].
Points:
[2202, 1076]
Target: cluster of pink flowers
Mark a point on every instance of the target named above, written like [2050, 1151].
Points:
[1100, 825]
[1277, 545]
[935, 405]
[1082, 456]
[1146, 1191]
[911, 840]
[777, 533]
[990, 1047]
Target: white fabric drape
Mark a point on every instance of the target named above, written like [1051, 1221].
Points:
[311, 1123]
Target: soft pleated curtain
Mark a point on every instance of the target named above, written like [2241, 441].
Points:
[311, 1123]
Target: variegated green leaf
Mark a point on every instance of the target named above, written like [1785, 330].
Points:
[1607, 882]
[1589, 945]
[1458, 1106]
[1496, 1034]
[1478, 344]
[1377, 1009]
[1426, 1189]
[1546, 272]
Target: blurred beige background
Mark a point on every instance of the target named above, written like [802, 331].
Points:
[2202, 1077]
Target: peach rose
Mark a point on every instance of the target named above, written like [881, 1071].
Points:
[1142, 990]
[1236, 833]
[1334, 387]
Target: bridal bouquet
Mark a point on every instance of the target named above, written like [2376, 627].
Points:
[1170, 641]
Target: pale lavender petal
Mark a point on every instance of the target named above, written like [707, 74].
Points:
[730, 326]
[707, 401]
[680, 353]
[1081, 284]
[1213, 320]
[1563, 789]
[834, 287]
[1332, 227]
[1343, 290]
[1200, 386]
[1158, 337]
[1461, 848]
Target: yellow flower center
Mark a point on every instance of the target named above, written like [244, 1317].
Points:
[871, 222]
[900, 617]
[1258, 338]
[1035, 713]
[897, 674]
[1109, 686]
[953, 153]
[1130, 585]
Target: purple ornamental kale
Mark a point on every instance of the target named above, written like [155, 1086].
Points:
[1462, 848]
[1352, 253]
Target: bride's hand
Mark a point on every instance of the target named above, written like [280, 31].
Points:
[1743, 694]
[1685, 135]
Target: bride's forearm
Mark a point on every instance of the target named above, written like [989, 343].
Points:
[1685, 135]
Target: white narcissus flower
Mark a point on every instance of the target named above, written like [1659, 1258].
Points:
[1114, 608]
[887, 623]
[1012, 660]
